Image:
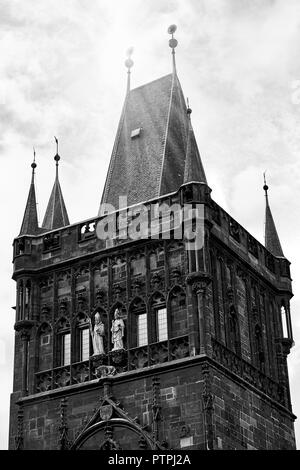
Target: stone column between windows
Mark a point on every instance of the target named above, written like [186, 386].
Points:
[199, 282]
[25, 335]
[199, 289]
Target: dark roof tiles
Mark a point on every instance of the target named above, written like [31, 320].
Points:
[153, 163]
[272, 242]
[56, 215]
[30, 219]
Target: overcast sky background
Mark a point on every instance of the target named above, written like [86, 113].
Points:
[62, 73]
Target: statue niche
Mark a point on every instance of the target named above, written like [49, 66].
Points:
[117, 331]
[97, 334]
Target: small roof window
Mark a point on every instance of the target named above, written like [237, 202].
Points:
[136, 132]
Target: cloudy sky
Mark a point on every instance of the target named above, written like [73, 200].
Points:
[62, 73]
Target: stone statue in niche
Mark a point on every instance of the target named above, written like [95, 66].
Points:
[97, 335]
[117, 331]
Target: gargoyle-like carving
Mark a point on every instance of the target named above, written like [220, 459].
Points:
[105, 371]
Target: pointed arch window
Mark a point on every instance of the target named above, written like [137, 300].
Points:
[65, 359]
[63, 344]
[84, 344]
[142, 329]
[162, 324]
[82, 338]
[159, 318]
[139, 323]
[286, 321]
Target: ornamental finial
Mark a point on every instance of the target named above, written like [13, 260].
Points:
[173, 43]
[33, 164]
[129, 64]
[265, 187]
[57, 157]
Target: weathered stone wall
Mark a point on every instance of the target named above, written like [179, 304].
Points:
[180, 397]
[240, 417]
[243, 419]
[233, 320]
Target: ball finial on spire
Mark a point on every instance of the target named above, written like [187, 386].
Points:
[265, 187]
[129, 62]
[57, 157]
[188, 110]
[171, 30]
[33, 164]
[173, 43]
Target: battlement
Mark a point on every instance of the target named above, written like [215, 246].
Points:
[79, 241]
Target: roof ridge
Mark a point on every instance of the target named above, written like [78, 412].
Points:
[166, 133]
[114, 152]
[149, 151]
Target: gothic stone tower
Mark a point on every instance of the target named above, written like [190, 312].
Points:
[206, 333]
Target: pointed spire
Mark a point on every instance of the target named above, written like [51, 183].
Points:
[56, 214]
[193, 170]
[272, 242]
[30, 219]
[129, 64]
[173, 44]
[154, 143]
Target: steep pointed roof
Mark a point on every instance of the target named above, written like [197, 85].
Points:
[193, 170]
[30, 219]
[151, 145]
[56, 215]
[272, 242]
